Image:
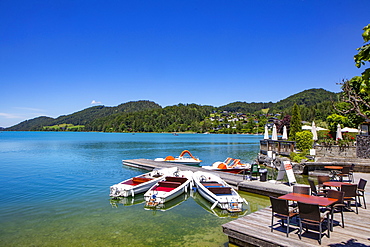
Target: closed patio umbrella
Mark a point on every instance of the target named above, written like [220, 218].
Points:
[314, 132]
[266, 133]
[274, 133]
[285, 133]
[339, 132]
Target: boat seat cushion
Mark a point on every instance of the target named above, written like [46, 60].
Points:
[212, 185]
[140, 180]
[169, 184]
[176, 179]
[220, 190]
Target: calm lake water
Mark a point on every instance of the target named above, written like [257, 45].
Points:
[55, 189]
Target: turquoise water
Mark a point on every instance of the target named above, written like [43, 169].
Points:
[55, 189]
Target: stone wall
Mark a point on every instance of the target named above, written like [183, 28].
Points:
[335, 151]
[363, 147]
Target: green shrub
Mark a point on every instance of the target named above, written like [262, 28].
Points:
[304, 140]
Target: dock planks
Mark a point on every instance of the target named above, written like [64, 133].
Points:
[254, 229]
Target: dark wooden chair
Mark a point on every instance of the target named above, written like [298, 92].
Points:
[301, 189]
[320, 183]
[280, 209]
[309, 214]
[338, 206]
[345, 173]
[314, 191]
[361, 190]
[351, 173]
[350, 194]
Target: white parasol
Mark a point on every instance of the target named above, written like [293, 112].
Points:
[285, 133]
[346, 129]
[339, 132]
[314, 132]
[266, 133]
[274, 133]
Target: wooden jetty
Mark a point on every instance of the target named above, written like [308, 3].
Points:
[254, 229]
[236, 180]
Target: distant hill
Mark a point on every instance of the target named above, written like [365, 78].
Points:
[315, 104]
[85, 116]
[305, 98]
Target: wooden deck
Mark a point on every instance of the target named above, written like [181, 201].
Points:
[254, 229]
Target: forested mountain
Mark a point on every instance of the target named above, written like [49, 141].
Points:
[147, 116]
[176, 118]
[85, 116]
[306, 98]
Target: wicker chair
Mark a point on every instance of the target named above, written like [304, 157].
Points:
[338, 206]
[314, 191]
[309, 214]
[345, 173]
[301, 189]
[350, 195]
[361, 191]
[280, 209]
[321, 180]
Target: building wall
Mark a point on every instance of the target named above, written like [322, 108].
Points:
[335, 151]
[363, 146]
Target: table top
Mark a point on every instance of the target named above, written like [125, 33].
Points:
[334, 167]
[322, 201]
[335, 184]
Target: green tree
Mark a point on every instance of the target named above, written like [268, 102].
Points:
[356, 91]
[295, 122]
[333, 121]
[304, 140]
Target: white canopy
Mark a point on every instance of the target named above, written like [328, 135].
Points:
[346, 129]
[285, 133]
[339, 132]
[274, 133]
[307, 127]
[266, 136]
[314, 132]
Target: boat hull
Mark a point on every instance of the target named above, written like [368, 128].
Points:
[226, 197]
[130, 188]
[164, 190]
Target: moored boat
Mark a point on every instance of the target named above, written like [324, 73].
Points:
[229, 165]
[218, 192]
[189, 159]
[140, 184]
[168, 188]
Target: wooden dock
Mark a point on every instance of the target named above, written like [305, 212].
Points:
[236, 180]
[254, 230]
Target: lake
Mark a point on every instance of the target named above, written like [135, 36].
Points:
[55, 189]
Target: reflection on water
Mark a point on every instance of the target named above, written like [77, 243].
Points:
[221, 213]
[55, 190]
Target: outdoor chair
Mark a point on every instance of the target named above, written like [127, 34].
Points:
[301, 189]
[350, 195]
[314, 191]
[351, 173]
[345, 173]
[309, 214]
[280, 209]
[361, 191]
[321, 180]
[338, 206]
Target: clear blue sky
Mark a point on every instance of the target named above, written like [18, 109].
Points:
[61, 56]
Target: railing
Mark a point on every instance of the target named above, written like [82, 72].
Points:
[279, 147]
